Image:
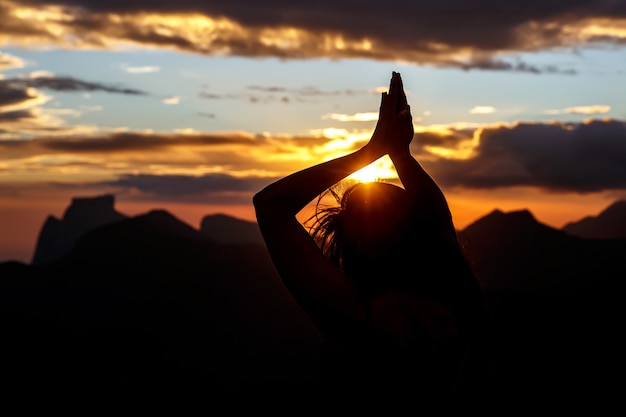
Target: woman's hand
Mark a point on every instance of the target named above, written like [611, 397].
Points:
[394, 130]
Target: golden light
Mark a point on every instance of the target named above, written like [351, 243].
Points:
[448, 153]
[600, 27]
[378, 170]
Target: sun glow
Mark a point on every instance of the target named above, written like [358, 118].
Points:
[380, 169]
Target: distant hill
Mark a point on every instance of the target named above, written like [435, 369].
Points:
[149, 301]
[609, 224]
[513, 251]
[553, 298]
[58, 236]
[226, 229]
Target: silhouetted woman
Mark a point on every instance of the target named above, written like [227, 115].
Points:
[382, 275]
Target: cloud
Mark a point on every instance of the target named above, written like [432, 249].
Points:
[588, 109]
[171, 100]
[267, 89]
[208, 188]
[39, 74]
[177, 166]
[482, 110]
[272, 94]
[8, 61]
[18, 124]
[142, 142]
[580, 157]
[192, 166]
[17, 96]
[486, 62]
[141, 70]
[595, 109]
[444, 33]
[20, 98]
[357, 117]
[72, 84]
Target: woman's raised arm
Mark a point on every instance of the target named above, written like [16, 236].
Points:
[316, 283]
[428, 197]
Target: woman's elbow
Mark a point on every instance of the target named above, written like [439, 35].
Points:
[257, 199]
[265, 204]
[260, 202]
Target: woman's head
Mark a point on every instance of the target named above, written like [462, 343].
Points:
[372, 216]
[362, 234]
[381, 239]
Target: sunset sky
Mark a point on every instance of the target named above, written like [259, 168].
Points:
[193, 106]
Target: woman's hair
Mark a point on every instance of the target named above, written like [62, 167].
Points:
[379, 238]
[362, 230]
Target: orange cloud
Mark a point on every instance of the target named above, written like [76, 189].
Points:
[445, 34]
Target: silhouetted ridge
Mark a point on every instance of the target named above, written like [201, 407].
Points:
[514, 252]
[609, 224]
[154, 238]
[552, 298]
[519, 223]
[57, 237]
[164, 221]
[149, 301]
[226, 229]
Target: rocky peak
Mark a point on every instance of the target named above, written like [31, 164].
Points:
[57, 237]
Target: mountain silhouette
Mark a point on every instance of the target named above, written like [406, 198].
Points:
[150, 301]
[57, 237]
[609, 224]
[553, 300]
[226, 229]
[513, 251]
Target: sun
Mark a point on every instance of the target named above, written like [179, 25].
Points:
[380, 169]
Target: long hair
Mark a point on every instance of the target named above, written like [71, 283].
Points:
[324, 225]
[410, 248]
[361, 231]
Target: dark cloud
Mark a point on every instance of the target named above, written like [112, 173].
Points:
[17, 115]
[20, 101]
[420, 31]
[305, 91]
[13, 94]
[579, 157]
[211, 96]
[574, 157]
[210, 188]
[271, 94]
[20, 92]
[488, 63]
[367, 17]
[450, 139]
[128, 142]
[69, 84]
[267, 89]
[28, 122]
